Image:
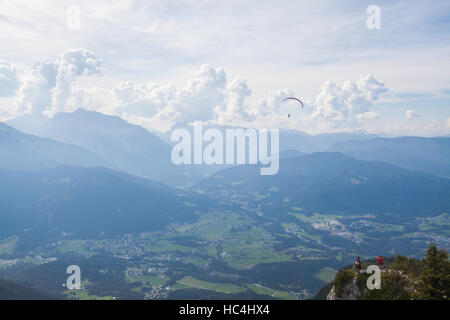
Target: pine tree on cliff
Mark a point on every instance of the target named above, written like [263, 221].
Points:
[434, 281]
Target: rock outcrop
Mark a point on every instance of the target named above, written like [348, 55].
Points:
[350, 291]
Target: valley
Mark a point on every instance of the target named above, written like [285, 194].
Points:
[142, 230]
[223, 254]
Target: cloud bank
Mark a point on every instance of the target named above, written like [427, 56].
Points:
[208, 95]
[349, 103]
[48, 86]
[9, 81]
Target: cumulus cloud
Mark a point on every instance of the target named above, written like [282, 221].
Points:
[410, 114]
[9, 81]
[234, 108]
[70, 65]
[207, 96]
[347, 103]
[34, 94]
[366, 116]
[204, 95]
[204, 92]
[144, 100]
[48, 86]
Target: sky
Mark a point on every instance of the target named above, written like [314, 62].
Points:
[156, 63]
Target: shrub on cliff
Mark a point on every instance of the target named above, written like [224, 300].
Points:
[343, 278]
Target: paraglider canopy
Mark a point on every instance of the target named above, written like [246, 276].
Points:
[293, 98]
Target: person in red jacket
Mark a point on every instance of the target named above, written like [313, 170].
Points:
[380, 261]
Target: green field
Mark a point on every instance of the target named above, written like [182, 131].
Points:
[215, 226]
[389, 228]
[7, 245]
[271, 292]
[214, 286]
[326, 274]
[77, 246]
[244, 255]
[153, 280]
[166, 246]
[84, 295]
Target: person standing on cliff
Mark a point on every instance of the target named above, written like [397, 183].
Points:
[380, 261]
[358, 264]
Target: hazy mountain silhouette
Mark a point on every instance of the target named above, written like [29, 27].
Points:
[129, 147]
[10, 290]
[87, 201]
[298, 140]
[26, 152]
[430, 155]
[333, 182]
[292, 139]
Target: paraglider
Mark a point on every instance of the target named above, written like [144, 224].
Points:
[292, 98]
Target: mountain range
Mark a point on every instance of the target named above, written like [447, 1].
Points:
[128, 147]
[87, 201]
[332, 183]
[87, 181]
[430, 155]
[27, 152]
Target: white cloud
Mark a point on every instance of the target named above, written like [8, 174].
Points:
[366, 116]
[410, 114]
[204, 92]
[144, 100]
[34, 94]
[345, 104]
[70, 65]
[8, 79]
[234, 108]
[48, 86]
[208, 95]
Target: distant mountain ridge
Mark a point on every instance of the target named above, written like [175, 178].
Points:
[13, 291]
[306, 143]
[87, 201]
[128, 147]
[332, 183]
[431, 155]
[21, 151]
[290, 139]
